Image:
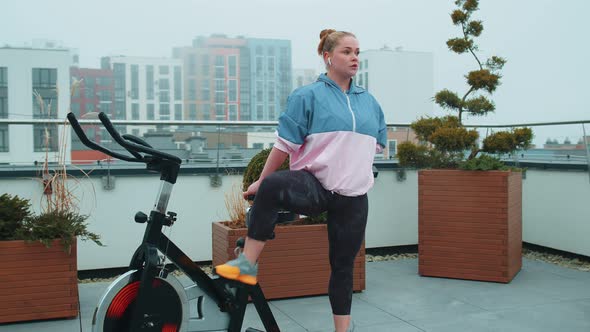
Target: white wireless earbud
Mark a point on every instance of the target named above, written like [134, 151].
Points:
[329, 62]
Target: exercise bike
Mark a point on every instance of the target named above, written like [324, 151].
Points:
[148, 297]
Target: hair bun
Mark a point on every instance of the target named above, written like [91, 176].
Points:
[326, 32]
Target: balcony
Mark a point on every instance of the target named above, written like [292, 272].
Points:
[542, 297]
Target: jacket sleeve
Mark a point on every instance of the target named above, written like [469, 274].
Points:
[293, 124]
[382, 133]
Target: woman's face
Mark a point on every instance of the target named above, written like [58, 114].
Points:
[345, 57]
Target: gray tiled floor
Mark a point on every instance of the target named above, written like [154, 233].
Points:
[542, 297]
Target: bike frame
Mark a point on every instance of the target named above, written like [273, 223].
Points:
[230, 296]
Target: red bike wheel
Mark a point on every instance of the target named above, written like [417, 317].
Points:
[164, 314]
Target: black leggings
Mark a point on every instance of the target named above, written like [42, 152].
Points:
[300, 192]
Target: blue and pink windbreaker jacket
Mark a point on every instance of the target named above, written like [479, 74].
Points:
[333, 135]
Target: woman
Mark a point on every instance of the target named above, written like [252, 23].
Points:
[331, 131]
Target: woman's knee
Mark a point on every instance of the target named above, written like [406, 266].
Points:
[271, 184]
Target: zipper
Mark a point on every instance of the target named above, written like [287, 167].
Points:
[351, 113]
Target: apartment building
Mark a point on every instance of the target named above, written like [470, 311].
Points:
[34, 84]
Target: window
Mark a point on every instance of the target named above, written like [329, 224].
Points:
[233, 112]
[105, 107]
[88, 91]
[164, 84]
[178, 112]
[259, 66]
[245, 112]
[149, 85]
[258, 146]
[105, 81]
[220, 72]
[220, 97]
[259, 95]
[177, 83]
[45, 138]
[44, 78]
[271, 92]
[392, 148]
[205, 90]
[259, 112]
[271, 112]
[219, 60]
[366, 80]
[134, 81]
[150, 112]
[75, 108]
[105, 95]
[3, 77]
[192, 112]
[164, 70]
[233, 91]
[120, 110]
[45, 104]
[232, 63]
[164, 111]
[192, 89]
[135, 132]
[3, 107]
[220, 111]
[366, 64]
[134, 111]
[89, 107]
[219, 85]
[164, 96]
[206, 111]
[4, 138]
[271, 66]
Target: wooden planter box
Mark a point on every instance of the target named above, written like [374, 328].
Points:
[37, 282]
[470, 224]
[295, 263]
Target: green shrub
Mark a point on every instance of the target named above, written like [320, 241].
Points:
[444, 141]
[13, 210]
[62, 225]
[255, 167]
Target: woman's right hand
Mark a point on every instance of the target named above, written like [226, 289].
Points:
[252, 189]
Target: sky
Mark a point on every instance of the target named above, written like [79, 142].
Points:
[544, 41]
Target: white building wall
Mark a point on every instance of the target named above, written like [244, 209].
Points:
[401, 81]
[554, 208]
[20, 63]
[266, 138]
[142, 63]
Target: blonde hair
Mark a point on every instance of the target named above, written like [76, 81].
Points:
[329, 39]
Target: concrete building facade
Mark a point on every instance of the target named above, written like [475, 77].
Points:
[34, 84]
[146, 88]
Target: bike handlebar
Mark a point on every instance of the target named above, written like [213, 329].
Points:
[134, 146]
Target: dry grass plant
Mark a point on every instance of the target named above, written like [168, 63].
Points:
[59, 216]
[236, 207]
[59, 195]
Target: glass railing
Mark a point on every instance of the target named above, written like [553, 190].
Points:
[233, 143]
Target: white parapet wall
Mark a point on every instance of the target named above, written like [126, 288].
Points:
[556, 212]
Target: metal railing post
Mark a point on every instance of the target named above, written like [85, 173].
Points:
[587, 148]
